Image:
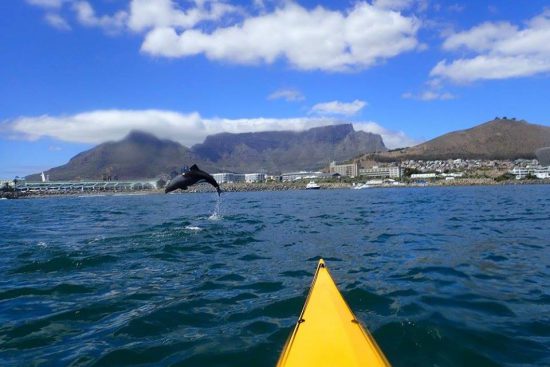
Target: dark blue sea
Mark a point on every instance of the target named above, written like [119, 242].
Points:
[441, 276]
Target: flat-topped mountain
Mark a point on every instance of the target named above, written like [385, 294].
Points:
[277, 151]
[142, 155]
[496, 139]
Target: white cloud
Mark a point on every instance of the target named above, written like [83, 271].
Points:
[500, 51]
[338, 108]
[111, 23]
[429, 95]
[46, 3]
[393, 4]
[147, 14]
[392, 139]
[99, 126]
[309, 39]
[289, 95]
[57, 21]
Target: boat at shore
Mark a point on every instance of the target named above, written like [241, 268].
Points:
[312, 186]
[377, 183]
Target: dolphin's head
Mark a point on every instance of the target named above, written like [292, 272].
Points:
[177, 182]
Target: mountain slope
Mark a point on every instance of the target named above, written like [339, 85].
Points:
[139, 155]
[496, 139]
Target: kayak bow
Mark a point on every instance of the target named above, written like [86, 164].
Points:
[327, 332]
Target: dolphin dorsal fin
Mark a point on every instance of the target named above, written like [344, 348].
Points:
[194, 168]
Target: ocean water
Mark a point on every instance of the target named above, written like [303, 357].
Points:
[441, 276]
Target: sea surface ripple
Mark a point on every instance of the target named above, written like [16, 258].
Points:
[441, 276]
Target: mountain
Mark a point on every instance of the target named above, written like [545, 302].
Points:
[283, 151]
[496, 139]
[142, 155]
[139, 155]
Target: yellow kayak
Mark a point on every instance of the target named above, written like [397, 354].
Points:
[327, 332]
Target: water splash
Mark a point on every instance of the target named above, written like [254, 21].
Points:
[217, 214]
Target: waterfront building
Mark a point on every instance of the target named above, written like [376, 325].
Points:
[6, 182]
[424, 175]
[543, 172]
[522, 172]
[535, 171]
[254, 177]
[227, 177]
[349, 170]
[382, 172]
[302, 175]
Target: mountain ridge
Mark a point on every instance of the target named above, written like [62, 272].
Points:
[499, 138]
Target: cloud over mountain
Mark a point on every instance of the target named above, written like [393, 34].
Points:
[187, 128]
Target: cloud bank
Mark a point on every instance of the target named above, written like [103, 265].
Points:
[306, 38]
[317, 39]
[96, 127]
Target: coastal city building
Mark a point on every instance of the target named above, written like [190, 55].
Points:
[382, 172]
[228, 177]
[533, 171]
[424, 175]
[302, 175]
[347, 170]
[254, 177]
[6, 182]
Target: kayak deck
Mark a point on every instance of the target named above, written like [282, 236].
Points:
[327, 332]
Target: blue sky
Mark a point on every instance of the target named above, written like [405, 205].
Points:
[76, 73]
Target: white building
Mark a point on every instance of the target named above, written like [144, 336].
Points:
[538, 172]
[227, 177]
[254, 177]
[522, 172]
[382, 172]
[5, 182]
[424, 175]
[543, 172]
[302, 175]
[350, 170]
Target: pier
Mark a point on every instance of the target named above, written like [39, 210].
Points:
[85, 186]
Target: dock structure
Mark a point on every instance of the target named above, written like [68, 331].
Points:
[85, 186]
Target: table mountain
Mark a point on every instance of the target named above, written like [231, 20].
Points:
[142, 155]
[280, 151]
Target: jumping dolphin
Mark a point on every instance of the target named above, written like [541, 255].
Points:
[193, 176]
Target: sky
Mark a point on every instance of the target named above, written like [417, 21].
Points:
[77, 73]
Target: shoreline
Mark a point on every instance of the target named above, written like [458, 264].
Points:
[273, 186]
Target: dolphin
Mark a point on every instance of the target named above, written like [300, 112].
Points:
[193, 176]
